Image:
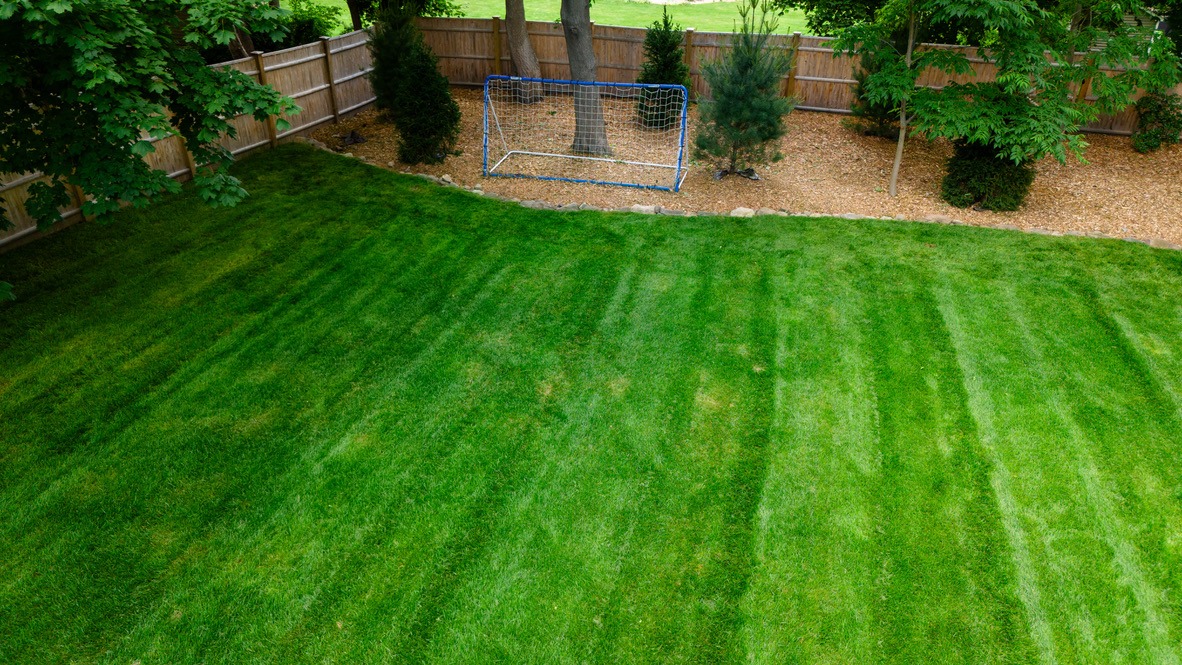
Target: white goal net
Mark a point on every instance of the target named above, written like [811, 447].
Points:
[629, 134]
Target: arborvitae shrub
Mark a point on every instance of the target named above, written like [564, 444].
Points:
[976, 175]
[664, 62]
[741, 123]
[1159, 121]
[411, 92]
[869, 118]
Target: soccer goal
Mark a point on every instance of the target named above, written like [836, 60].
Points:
[628, 134]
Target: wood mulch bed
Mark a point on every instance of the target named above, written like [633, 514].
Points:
[830, 169]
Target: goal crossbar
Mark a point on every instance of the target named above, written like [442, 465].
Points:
[532, 126]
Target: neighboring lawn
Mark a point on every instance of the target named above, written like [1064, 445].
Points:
[360, 418]
[708, 17]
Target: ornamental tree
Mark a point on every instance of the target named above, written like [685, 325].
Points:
[85, 85]
[1048, 58]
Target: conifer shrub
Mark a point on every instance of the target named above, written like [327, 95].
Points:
[977, 176]
[1159, 121]
[411, 92]
[744, 118]
[664, 62]
[872, 119]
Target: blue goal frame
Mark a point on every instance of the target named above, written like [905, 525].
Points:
[679, 171]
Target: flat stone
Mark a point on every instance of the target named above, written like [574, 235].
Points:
[673, 213]
[536, 205]
[477, 186]
[1163, 244]
[849, 215]
[1006, 227]
[587, 206]
[447, 178]
[644, 210]
[782, 213]
[765, 211]
[939, 219]
[348, 154]
[742, 212]
[390, 164]
[1137, 240]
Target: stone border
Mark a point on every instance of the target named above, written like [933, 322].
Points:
[447, 181]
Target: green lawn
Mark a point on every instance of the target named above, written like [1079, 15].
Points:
[361, 418]
[708, 17]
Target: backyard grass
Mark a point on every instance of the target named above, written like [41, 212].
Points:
[704, 17]
[360, 418]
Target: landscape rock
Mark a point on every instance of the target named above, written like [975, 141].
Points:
[536, 205]
[447, 178]
[742, 212]
[390, 164]
[673, 213]
[939, 219]
[645, 210]
[765, 211]
[1007, 227]
[586, 206]
[1163, 244]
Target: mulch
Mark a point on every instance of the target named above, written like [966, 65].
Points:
[830, 169]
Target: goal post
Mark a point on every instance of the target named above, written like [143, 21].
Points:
[533, 127]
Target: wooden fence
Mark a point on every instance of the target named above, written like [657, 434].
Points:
[470, 49]
[327, 79]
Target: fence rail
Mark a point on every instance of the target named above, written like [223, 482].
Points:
[326, 78]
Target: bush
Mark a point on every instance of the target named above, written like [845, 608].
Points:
[410, 90]
[310, 22]
[978, 176]
[746, 115]
[664, 62]
[868, 118]
[1159, 121]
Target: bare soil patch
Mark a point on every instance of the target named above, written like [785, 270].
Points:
[830, 169]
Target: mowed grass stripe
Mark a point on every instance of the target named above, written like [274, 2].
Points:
[363, 418]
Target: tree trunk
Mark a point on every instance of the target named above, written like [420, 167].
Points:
[894, 188]
[590, 132]
[355, 9]
[241, 45]
[521, 51]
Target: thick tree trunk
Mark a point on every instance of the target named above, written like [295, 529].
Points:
[590, 133]
[241, 45]
[355, 9]
[521, 51]
[894, 187]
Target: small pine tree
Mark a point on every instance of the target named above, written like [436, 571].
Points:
[664, 62]
[746, 115]
[411, 92]
[871, 118]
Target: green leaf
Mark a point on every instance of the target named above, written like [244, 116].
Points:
[282, 124]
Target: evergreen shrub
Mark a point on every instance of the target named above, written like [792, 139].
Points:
[1159, 121]
[977, 176]
[742, 121]
[664, 62]
[411, 92]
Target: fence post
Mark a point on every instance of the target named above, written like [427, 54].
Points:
[689, 56]
[189, 160]
[790, 82]
[326, 45]
[1084, 89]
[496, 45]
[271, 131]
[79, 198]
